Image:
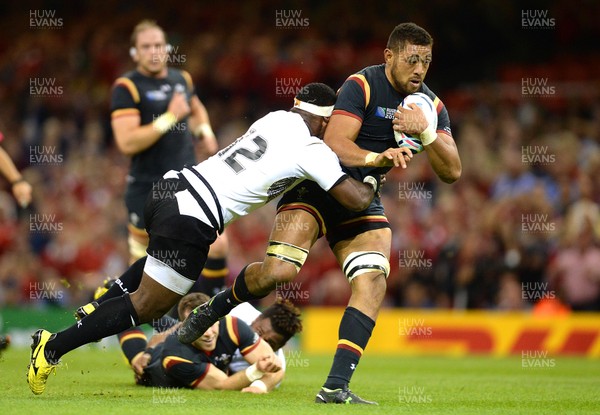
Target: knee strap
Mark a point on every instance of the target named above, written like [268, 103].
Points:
[361, 262]
[288, 253]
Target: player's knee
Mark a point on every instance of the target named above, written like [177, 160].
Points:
[272, 272]
[370, 283]
[147, 313]
[278, 272]
[147, 307]
[371, 266]
[284, 261]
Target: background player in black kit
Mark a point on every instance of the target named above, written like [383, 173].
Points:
[155, 117]
[360, 131]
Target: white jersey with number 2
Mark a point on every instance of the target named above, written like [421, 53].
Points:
[275, 154]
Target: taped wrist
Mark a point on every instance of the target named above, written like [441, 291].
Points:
[370, 158]
[260, 385]
[253, 374]
[372, 181]
[428, 136]
[204, 130]
[164, 122]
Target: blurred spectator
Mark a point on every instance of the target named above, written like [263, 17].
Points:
[575, 271]
[510, 293]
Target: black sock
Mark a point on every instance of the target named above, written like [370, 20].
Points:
[128, 282]
[212, 278]
[226, 300]
[355, 331]
[112, 317]
[132, 342]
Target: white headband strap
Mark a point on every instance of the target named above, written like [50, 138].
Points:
[313, 109]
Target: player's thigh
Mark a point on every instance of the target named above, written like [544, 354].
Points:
[377, 240]
[296, 227]
[294, 233]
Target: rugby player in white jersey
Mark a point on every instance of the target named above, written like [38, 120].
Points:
[278, 151]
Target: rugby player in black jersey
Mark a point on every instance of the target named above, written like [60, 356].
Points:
[156, 118]
[204, 364]
[360, 130]
[275, 325]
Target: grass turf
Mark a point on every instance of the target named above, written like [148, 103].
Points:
[97, 381]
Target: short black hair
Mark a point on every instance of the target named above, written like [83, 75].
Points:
[317, 94]
[285, 318]
[408, 33]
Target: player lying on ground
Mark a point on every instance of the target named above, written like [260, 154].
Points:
[204, 364]
[275, 325]
[278, 151]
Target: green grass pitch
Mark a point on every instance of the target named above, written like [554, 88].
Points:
[96, 381]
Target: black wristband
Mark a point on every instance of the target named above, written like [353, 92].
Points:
[19, 180]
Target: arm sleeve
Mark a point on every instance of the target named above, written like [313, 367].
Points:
[352, 97]
[185, 372]
[248, 339]
[443, 119]
[122, 98]
[132, 342]
[320, 164]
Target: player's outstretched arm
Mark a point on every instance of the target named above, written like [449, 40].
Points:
[216, 379]
[269, 380]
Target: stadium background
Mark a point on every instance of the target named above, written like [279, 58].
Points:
[520, 82]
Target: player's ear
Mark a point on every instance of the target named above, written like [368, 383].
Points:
[133, 53]
[387, 55]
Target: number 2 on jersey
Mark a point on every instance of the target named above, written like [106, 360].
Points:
[253, 155]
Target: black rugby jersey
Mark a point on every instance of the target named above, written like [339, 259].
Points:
[150, 97]
[174, 364]
[369, 97]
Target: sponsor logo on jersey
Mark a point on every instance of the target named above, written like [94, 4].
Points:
[156, 95]
[386, 113]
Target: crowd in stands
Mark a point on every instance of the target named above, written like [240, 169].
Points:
[521, 225]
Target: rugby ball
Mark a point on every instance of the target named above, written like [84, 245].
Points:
[426, 104]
